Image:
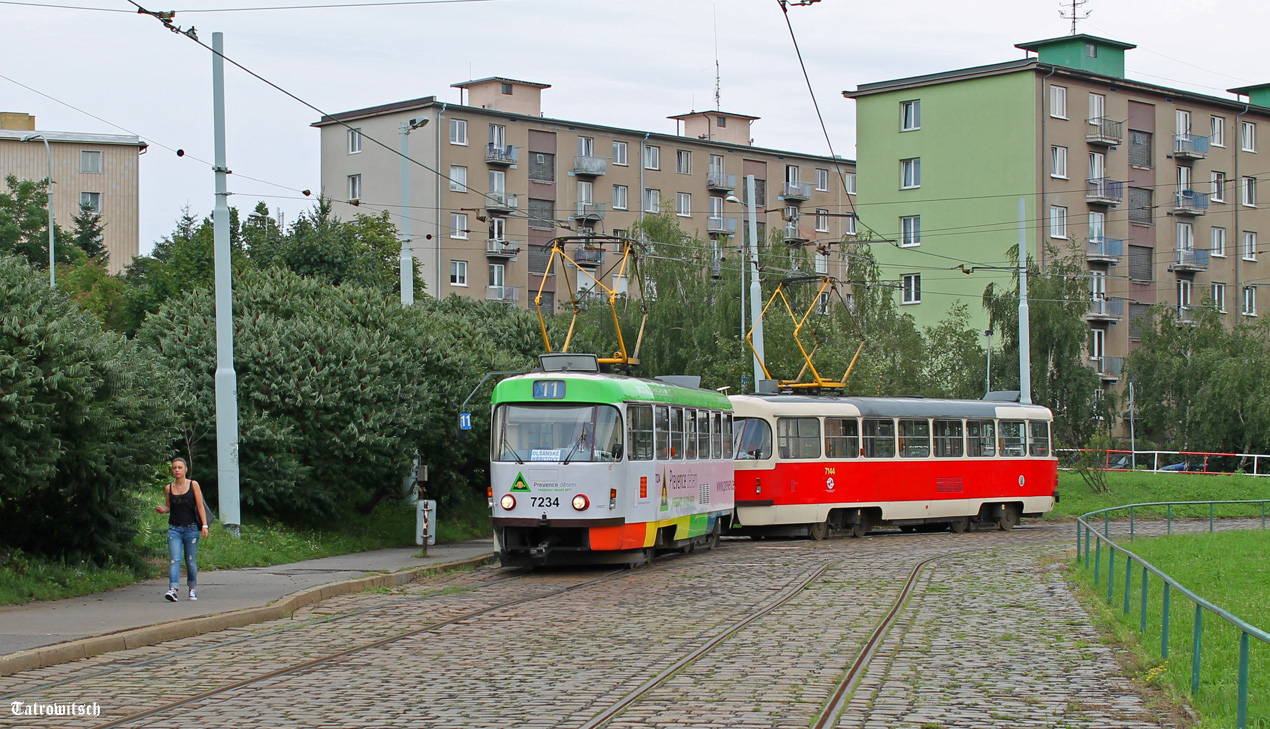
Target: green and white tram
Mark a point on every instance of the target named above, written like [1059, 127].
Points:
[594, 468]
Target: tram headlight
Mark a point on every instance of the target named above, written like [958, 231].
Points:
[581, 502]
[508, 502]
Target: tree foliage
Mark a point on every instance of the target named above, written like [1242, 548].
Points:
[24, 222]
[85, 416]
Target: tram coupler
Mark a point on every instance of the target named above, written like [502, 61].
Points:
[541, 551]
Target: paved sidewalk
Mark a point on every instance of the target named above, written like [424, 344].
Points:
[26, 628]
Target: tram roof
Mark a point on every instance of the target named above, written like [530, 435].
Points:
[898, 407]
[583, 387]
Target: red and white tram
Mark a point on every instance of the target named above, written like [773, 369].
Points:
[809, 465]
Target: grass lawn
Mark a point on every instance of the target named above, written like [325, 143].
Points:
[1076, 498]
[1229, 569]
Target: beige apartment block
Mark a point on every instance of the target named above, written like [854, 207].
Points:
[102, 170]
[491, 182]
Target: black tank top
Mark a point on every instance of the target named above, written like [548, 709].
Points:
[184, 511]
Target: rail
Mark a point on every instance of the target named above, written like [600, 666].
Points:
[1246, 630]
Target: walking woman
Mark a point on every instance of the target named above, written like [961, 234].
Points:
[187, 521]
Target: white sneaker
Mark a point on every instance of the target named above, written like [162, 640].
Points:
[192, 595]
[170, 595]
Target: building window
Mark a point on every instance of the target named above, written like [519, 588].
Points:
[1219, 297]
[822, 180]
[619, 197]
[507, 89]
[910, 230]
[683, 162]
[1097, 108]
[850, 178]
[1091, 50]
[1250, 301]
[1184, 180]
[652, 158]
[542, 214]
[586, 192]
[911, 288]
[458, 273]
[1250, 245]
[354, 187]
[1097, 225]
[1185, 237]
[1217, 246]
[498, 136]
[652, 200]
[848, 224]
[497, 275]
[458, 132]
[1141, 263]
[822, 220]
[1097, 344]
[498, 229]
[1140, 210]
[910, 115]
[791, 174]
[586, 146]
[683, 204]
[1058, 162]
[1248, 136]
[1219, 186]
[722, 122]
[1249, 192]
[1058, 101]
[619, 153]
[91, 200]
[910, 173]
[1217, 131]
[1140, 149]
[90, 162]
[458, 178]
[458, 226]
[821, 263]
[354, 141]
[1058, 221]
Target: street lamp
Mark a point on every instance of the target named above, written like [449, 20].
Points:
[407, 247]
[49, 200]
[756, 289]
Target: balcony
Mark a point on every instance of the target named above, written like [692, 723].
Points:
[505, 294]
[1102, 249]
[1189, 202]
[589, 213]
[1104, 131]
[720, 182]
[724, 225]
[1185, 315]
[500, 155]
[500, 248]
[1190, 146]
[1108, 368]
[501, 202]
[1105, 309]
[796, 191]
[588, 255]
[586, 166]
[1190, 260]
[1104, 191]
[795, 235]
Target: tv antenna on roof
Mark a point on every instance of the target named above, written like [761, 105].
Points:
[1074, 14]
[715, 11]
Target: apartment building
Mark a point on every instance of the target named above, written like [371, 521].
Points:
[493, 182]
[1154, 188]
[101, 170]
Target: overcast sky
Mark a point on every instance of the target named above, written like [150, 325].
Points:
[626, 63]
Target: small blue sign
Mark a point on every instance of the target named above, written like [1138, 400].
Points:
[465, 421]
[548, 389]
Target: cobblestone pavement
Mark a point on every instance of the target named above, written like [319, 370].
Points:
[991, 637]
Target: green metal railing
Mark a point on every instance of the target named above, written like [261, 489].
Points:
[1087, 532]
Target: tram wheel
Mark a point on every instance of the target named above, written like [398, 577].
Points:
[959, 525]
[713, 543]
[818, 531]
[860, 529]
[1009, 520]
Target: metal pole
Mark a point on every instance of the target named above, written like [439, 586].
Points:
[48, 203]
[1133, 442]
[226, 379]
[756, 289]
[407, 253]
[1025, 331]
[987, 380]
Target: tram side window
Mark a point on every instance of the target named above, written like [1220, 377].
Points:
[639, 432]
[914, 438]
[690, 433]
[948, 442]
[661, 423]
[981, 438]
[798, 437]
[842, 438]
[879, 438]
[677, 434]
[727, 435]
[1013, 438]
[1040, 438]
[716, 435]
[753, 439]
[703, 434]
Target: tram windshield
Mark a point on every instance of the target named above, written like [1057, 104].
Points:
[753, 439]
[557, 433]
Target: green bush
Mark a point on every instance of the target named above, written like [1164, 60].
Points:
[85, 416]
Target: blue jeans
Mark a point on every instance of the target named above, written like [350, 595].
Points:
[183, 537]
